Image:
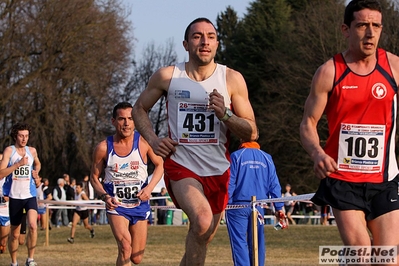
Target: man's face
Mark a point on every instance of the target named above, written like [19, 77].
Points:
[22, 138]
[78, 189]
[202, 42]
[364, 32]
[123, 122]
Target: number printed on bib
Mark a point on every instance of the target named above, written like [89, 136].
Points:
[197, 124]
[361, 148]
[22, 173]
[125, 192]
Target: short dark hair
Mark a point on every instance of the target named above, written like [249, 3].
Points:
[357, 5]
[121, 105]
[196, 21]
[80, 184]
[19, 127]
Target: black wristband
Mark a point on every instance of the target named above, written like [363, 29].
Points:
[103, 197]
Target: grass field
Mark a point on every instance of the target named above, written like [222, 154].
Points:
[297, 245]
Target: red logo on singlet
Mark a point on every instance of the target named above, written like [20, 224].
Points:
[134, 165]
[379, 91]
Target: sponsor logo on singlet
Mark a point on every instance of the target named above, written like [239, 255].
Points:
[379, 91]
[182, 94]
[134, 165]
[124, 166]
[350, 87]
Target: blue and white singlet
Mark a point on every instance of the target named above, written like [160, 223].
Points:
[125, 176]
[20, 184]
[3, 203]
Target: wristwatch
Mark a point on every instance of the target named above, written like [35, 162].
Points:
[103, 197]
[227, 114]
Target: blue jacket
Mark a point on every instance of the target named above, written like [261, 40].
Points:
[253, 174]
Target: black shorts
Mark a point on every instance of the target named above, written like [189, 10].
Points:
[16, 208]
[82, 214]
[371, 198]
[22, 231]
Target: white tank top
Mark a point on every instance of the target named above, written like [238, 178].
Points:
[20, 183]
[125, 176]
[202, 137]
[79, 197]
[40, 196]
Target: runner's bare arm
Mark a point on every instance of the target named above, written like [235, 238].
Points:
[99, 158]
[4, 170]
[157, 86]
[145, 194]
[314, 107]
[394, 63]
[99, 155]
[36, 164]
[242, 123]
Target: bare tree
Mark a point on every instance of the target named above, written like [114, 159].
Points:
[152, 59]
[61, 69]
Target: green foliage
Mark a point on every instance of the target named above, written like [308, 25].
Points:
[227, 23]
[278, 46]
[390, 34]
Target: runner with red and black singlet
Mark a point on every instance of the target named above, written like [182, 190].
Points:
[365, 135]
[357, 167]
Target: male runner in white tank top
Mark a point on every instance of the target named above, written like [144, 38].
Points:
[81, 213]
[205, 101]
[21, 166]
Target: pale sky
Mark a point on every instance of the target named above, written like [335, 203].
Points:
[159, 20]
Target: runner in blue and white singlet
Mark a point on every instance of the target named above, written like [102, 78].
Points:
[4, 215]
[20, 167]
[125, 176]
[125, 190]
[4, 220]
[20, 184]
